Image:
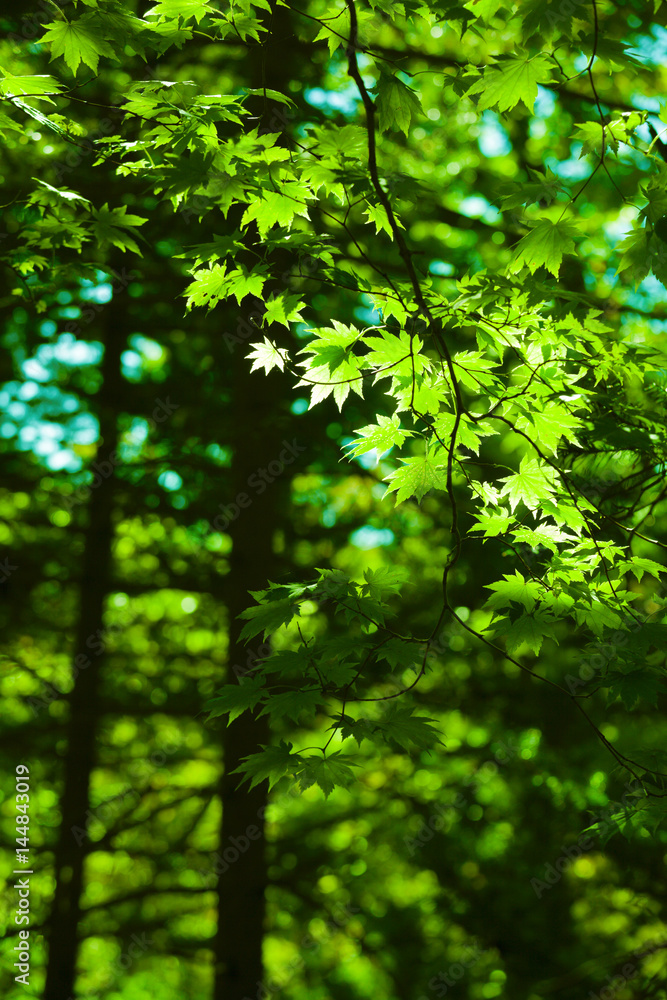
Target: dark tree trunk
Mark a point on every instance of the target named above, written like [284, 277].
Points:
[260, 428]
[242, 879]
[241, 885]
[88, 659]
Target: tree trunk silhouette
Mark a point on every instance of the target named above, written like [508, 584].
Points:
[260, 428]
[88, 660]
[241, 861]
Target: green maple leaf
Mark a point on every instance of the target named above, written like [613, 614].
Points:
[77, 42]
[649, 634]
[273, 763]
[283, 308]
[379, 437]
[221, 246]
[48, 195]
[385, 580]
[395, 351]
[289, 663]
[236, 698]
[544, 246]
[278, 208]
[378, 215]
[208, 287]
[528, 629]
[544, 17]
[265, 92]
[267, 356]
[46, 121]
[340, 337]
[243, 282]
[29, 86]
[268, 617]
[338, 141]
[494, 524]
[514, 80]
[592, 136]
[616, 54]
[544, 188]
[641, 683]
[618, 822]
[244, 26]
[290, 704]
[564, 512]
[318, 175]
[652, 813]
[9, 123]
[635, 254]
[472, 369]
[327, 772]
[415, 478]
[599, 616]
[181, 10]
[401, 728]
[513, 588]
[423, 392]
[110, 227]
[650, 760]
[403, 655]
[549, 426]
[639, 565]
[547, 535]
[396, 104]
[333, 356]
[358, 729]
[469, 433]
[346, 379]
[531, 484]
[335, 36]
